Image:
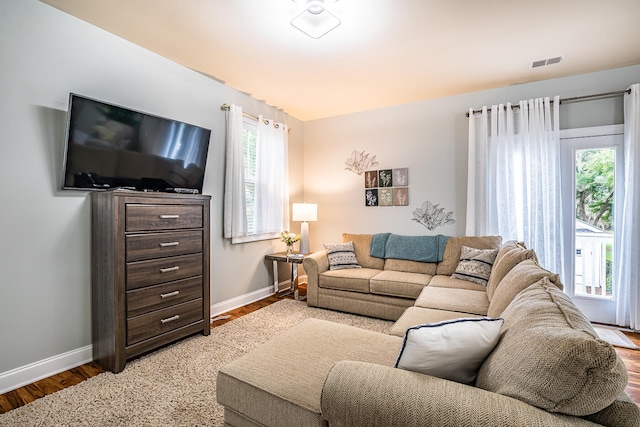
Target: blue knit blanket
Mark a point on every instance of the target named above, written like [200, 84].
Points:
[412, 248]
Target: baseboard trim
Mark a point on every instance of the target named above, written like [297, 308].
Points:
[23, 375]
[27, 374]
[233, 303]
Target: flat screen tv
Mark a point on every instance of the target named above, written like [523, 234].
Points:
[108, 146]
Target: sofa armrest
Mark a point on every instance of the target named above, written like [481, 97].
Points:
[314, 264]
[364, 394]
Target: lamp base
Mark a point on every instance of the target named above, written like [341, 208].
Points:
[304, 238]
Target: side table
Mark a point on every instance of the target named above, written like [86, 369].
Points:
[294, 261]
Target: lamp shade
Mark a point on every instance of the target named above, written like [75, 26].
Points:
[305, 212]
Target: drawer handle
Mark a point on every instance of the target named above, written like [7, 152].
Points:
[169, 216]
[169, 294]
[169, 319]
[168, 269]
[168, 244]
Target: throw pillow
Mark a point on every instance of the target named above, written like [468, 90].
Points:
[475, 265]
[452, 249]
[341, 256]
[452, 349]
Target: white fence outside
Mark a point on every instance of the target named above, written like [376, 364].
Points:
[591, 262]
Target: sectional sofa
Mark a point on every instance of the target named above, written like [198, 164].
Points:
[516, 350]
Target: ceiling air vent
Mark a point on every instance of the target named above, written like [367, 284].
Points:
[545, 62]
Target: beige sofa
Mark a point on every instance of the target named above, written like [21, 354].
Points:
[548, 369]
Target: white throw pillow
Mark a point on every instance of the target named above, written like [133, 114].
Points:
[341, 256]
[452, 349]
[475, 265]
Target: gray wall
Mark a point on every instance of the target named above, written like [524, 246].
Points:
[45, 232]
[429, 138]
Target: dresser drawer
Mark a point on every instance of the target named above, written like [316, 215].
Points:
[163, 217]
[149, 325]
[160, 245]
[154, 272]
[151, 298]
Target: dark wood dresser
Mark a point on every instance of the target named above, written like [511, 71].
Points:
[150, 272]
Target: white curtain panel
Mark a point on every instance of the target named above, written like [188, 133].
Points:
[513, 187]
[628, 248]
[272, 182]
[235, 216]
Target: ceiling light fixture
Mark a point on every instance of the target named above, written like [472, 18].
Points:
[315, 20]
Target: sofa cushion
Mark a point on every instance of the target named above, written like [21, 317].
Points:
[462, 300]
[341, 256]
[451, 255]
[352, 279]
[410, 266]
[365, 304]
[441, 281]
[518, 278]
[475, 265]
[413, 316]
[259, 387]
[549, 356]
[452, 349]
[509, 255]
[362, 246]
[398, 283]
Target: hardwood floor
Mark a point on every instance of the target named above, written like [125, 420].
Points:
[31, 392]
[631, 359]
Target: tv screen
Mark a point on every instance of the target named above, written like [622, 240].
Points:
[108, 146]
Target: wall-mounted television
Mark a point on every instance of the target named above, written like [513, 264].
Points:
[109, 146]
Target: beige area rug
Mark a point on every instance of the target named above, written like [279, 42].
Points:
[174, 386]
[614, 337]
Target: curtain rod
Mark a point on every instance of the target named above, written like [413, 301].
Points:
[575, 98]
[226, 107]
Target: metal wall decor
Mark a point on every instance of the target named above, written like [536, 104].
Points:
[360, 161]
[386, 187]
[432, 216]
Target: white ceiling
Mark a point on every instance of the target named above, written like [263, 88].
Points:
[385, 52]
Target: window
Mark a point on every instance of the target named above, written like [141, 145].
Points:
[256, 199]
[249, 136]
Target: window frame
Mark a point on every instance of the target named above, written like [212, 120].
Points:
[595, 308]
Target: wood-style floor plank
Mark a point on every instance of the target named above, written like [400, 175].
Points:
[631, 360]
[27, 394]
[31, 392]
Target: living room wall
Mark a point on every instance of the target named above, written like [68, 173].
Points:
[45, 267]
[430, 139]
[45, 264]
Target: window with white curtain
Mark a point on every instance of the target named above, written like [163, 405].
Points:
[513, 187]
[256, 200]
[249, 136]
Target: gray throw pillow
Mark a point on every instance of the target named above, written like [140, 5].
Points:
[341, 256]
[475, 265]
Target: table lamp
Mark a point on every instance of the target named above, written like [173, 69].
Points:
[305, 212]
